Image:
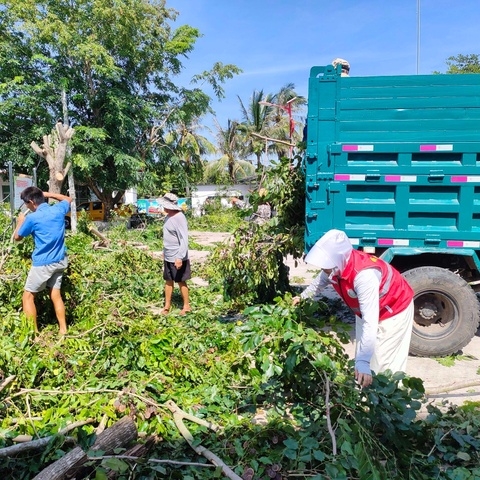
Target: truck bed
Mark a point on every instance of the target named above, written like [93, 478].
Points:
[394, 161]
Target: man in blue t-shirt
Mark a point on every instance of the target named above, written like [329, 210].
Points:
[46, 224]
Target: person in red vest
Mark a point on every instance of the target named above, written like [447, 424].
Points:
[380, 297]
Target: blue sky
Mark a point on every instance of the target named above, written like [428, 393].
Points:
[276, 42]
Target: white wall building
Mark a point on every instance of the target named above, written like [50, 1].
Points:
[203, 192]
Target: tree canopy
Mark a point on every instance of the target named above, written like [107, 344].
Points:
[117, 63]
[463, 64]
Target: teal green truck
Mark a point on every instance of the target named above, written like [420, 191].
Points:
[394, 161]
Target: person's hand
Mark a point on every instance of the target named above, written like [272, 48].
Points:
[178, 263]
[363, 379]
[296, 300]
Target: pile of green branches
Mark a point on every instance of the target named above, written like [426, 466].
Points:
[273, 378]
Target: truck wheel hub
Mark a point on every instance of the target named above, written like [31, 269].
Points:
[428, 311]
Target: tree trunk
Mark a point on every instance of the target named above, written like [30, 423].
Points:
[106, 197]
[71, 180]
[53, 150]
[118, 435]
[259, 160]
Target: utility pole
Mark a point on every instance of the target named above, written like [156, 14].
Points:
[418, 36]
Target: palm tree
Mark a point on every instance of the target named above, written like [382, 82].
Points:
[279, 120]
[255, 121]
[189, 147]
[231, 166]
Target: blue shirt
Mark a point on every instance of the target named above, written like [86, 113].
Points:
[47, 227]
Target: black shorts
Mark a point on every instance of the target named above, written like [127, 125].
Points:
[171, 272]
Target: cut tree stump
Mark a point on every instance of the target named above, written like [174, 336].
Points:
[119, 435]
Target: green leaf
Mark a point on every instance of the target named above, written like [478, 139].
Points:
[291, 443]
[347, 448]
[319, 455]
[101, 474]
[464, 456]
[116, 464]
[291, 454]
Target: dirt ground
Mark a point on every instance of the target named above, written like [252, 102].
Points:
[455, 384]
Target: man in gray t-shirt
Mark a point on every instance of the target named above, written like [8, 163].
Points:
[176, 265]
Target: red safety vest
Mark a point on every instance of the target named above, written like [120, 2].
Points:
[395, 293]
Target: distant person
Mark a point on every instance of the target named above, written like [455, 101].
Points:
[237, 202]
[176, 264]
[264, 210]
[380, 297]
[345, 66]
[49, 259]
[263, 214]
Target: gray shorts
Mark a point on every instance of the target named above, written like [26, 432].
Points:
[46, 276]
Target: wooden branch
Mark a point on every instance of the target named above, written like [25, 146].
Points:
[153, 460]
[41, 442]
[276, 140]
[102, 424]
[178, 416]
[327, 413]
[451, 387]
[22, 438]
[7, 381]
[103, 238]
[67, 168]
[37, 150]
[77, 457]
[172, 406]
[64, 132]
[118, 435]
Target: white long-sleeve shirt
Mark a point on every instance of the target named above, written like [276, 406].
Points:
[367, 288]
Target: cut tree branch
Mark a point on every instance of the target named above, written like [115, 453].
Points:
[178, 416]
[7, 382]
[41, 442]
[276, 140]
[120, 434]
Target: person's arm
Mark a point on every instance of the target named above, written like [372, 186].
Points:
[57, 196]
[314, 289]
[20, 220]
[182, 235]
[367, 287]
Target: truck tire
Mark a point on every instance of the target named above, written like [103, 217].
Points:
[446, 314]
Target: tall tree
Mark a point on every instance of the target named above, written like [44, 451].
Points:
[255, 124]
[281, 126]
[232, 165]
[23, 118]
[185, 140]
[117, 62]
